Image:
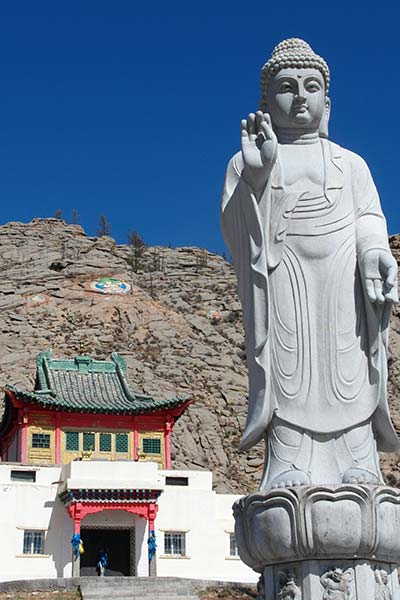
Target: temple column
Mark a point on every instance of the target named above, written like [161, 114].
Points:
[167, 436]
[152, 513]
[135, 440]
[76, 515]
[58, 440]
[24, 435]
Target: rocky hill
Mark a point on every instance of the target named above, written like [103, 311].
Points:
[179, 330]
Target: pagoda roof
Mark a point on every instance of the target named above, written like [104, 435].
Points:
[83, 384]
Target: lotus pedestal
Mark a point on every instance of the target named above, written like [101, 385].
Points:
[322, 542]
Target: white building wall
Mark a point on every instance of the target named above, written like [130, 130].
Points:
[205, 517]
[142, 554]
[25, 505]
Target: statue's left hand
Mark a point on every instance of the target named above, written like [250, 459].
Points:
[379, 275]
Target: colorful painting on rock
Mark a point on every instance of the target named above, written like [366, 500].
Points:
[109, 285]
[38, 299]
[215, 316]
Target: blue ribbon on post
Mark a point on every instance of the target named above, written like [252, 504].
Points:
[76, 542]
[152, 544]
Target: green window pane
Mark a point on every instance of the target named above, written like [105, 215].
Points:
[121, 442]
[40, 440]
[88, 441]
[105, 442]
[151, 445]
[72, 441]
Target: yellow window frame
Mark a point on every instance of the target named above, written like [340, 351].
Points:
[147, 457]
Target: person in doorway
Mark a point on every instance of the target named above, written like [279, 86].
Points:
[102, 563]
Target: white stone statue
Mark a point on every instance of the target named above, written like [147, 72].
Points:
[303, 222]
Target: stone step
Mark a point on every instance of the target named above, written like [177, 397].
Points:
[104, 595]
[178, 589]
[147, 582]
[129, 588]
[123, 595]
[136, 580]
[129, 583]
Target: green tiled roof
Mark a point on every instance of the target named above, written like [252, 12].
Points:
[87, 385]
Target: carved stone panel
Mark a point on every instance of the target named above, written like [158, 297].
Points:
[382, 591]
[288, 585]
[330, 579]
[338, 584]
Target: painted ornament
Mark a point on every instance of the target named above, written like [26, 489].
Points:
[215, 316]
[110, 285]
[38, 299]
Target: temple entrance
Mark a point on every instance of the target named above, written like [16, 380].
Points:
[118, 543]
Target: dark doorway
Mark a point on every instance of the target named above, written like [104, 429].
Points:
[115, 542]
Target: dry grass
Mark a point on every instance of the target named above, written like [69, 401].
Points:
[225, 593]
[56, 595]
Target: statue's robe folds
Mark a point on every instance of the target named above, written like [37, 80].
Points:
[316, 347]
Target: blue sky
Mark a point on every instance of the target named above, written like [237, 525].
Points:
[107, 107]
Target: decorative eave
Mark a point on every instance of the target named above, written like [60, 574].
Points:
[83, 385]
[86, 385]
[21, 398]
[108, 496]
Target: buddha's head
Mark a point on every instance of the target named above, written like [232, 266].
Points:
[294, 88]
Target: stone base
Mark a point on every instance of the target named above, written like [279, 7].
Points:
[325, 579]
[322, 542]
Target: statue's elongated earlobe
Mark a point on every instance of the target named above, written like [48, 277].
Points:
[324, 125]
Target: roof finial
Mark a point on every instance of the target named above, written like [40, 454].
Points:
[82, 349]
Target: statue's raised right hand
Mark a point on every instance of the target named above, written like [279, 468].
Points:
[259, 148]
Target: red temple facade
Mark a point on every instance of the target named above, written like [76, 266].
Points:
[84, 408]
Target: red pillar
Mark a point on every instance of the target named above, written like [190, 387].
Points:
[77, 525]
[75, 511]
[135, 440]
[151, 517]
[58, 440]
[24, 434]
[169, 423]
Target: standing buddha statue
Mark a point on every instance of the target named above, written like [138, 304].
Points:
[303, 222]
